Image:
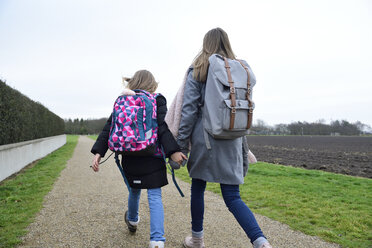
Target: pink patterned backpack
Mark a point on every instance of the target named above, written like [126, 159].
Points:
[134, 127]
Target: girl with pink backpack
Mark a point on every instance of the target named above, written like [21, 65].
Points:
[142, 171]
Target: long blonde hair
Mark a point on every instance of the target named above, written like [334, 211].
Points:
[215, 41]
[142, 80]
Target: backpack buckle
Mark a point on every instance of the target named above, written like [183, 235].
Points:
[232, 90]
[233, 110]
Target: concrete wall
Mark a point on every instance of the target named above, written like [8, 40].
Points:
[14, 157]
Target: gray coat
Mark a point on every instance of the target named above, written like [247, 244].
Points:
[226, 162]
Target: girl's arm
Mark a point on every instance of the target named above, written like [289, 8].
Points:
[165, 136]
[192, 99]
[101, 144]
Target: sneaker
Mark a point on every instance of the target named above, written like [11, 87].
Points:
[266, 245]
[156, 244]
[192, 242]
[132, 226]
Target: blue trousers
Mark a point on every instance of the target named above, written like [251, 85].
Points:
[156, 210]
[231, 196]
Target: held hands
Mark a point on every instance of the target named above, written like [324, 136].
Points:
[177, 159]
[96, 160]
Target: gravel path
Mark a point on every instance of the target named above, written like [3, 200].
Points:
[86, 209]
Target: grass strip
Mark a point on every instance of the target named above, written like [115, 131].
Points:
[337, 208]
[93, 137]
[21, 196]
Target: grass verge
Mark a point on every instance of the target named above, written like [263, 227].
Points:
[334, 207]
[21, 196]
[93, 137]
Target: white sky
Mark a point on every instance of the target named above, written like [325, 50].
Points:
[312, 59]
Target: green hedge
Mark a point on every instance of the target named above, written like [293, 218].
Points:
[23, 119]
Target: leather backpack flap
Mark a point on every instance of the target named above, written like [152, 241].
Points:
[237, 76]
[227, 109]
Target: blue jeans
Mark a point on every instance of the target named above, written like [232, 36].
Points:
[156, 210]
[231, 196]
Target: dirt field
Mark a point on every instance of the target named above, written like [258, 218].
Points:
[345, 155]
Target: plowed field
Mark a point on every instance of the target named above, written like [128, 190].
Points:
[345, 155]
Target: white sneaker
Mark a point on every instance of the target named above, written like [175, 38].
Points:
[156, 244]
[192, 242]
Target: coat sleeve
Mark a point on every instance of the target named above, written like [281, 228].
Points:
[166, 138]
[192, 99]
[101, 144]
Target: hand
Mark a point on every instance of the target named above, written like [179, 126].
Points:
[174, 165]
[96, 160]
[178, 157]
[177, 160]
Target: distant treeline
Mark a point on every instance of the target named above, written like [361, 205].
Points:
[81, 126]
[337, 127]
[23, 119]
[94, 126]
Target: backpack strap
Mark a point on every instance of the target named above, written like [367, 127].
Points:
[173, 175]
[157, 95]
[142, 91]
[249, 90]
[232, 94]
[117, 161]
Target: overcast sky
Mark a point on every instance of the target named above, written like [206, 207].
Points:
[312, 59]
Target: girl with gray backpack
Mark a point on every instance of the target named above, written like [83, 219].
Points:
[216, 114]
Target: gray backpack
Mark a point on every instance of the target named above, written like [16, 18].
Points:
[228, 105]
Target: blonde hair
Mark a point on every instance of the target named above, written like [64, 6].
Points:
[215, 41]
[141, 80]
